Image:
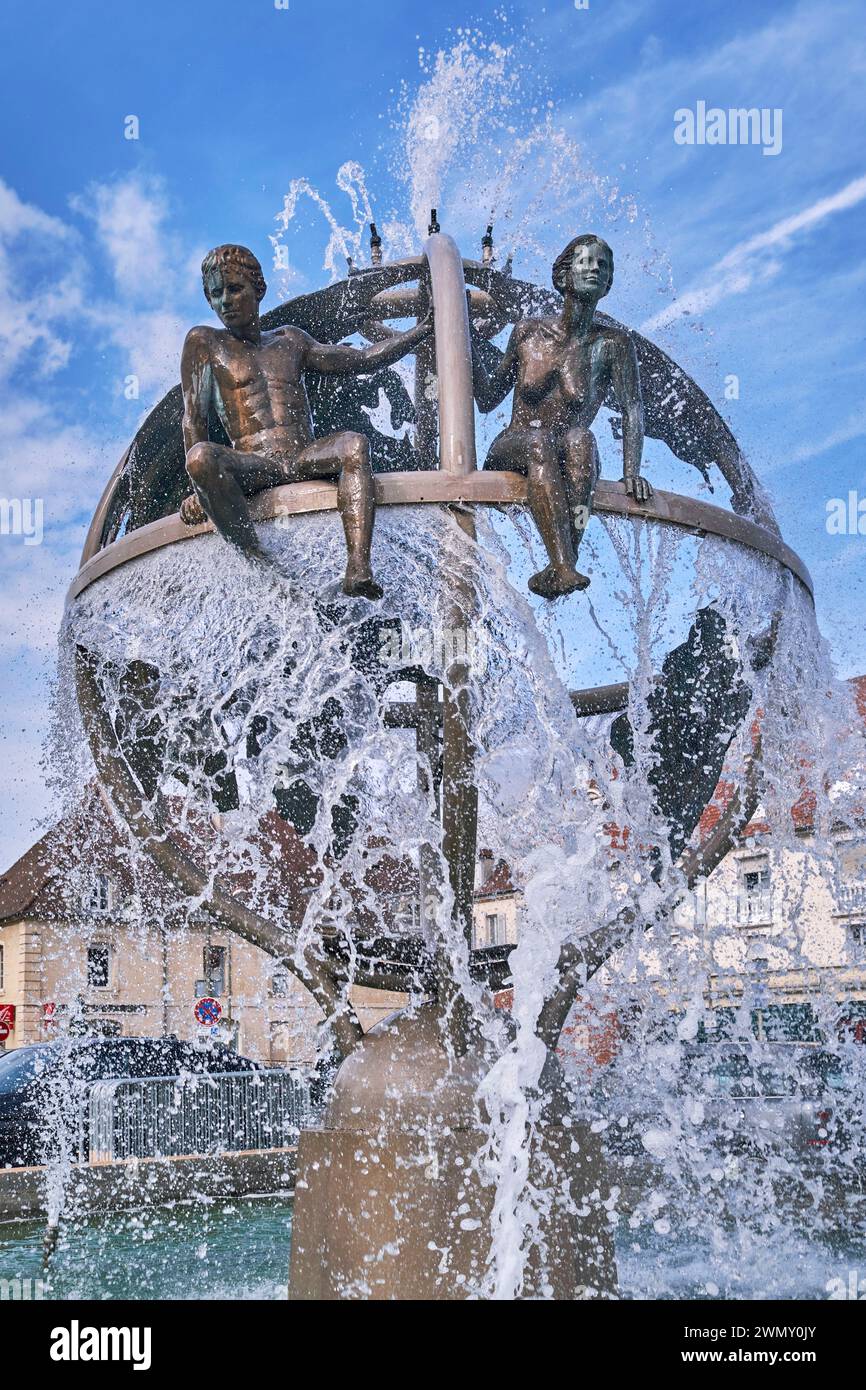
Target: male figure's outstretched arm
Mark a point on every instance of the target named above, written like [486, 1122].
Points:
[344, 359]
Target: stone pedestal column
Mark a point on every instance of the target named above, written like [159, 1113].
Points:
[388, 1204]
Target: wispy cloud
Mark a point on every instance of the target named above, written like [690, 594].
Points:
[63, 319]
[757, 258]
[151, 276]
[40, 286]
[854, 428]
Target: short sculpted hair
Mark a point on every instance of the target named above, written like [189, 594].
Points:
[232, 257]
[563, 261]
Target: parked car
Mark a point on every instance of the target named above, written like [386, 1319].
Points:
[799, 1101]
[42, 1085]
[745, 1101]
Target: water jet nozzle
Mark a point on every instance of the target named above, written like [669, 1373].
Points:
[375, 246]
[434, 225]
[487, 245]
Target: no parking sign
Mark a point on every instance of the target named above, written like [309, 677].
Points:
[207, 1010]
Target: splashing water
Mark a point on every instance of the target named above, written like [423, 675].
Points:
[475, 141]
[300, 658]
[287, 683]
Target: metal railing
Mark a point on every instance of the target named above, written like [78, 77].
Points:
[851, 897]
[211, 1113]
[755, 909]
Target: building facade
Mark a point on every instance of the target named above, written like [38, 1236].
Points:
[91, 944]
[88, 946]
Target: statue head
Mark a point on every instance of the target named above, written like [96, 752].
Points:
[234, 284]
[585, 267]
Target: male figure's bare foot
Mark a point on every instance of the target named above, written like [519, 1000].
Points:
[192, 513]
[554, 581]
[359, 582]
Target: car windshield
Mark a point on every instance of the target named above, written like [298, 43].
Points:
[22, 1066]
[820, 1072]
[738, 1075]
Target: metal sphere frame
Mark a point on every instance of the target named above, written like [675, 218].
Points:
[458, 484]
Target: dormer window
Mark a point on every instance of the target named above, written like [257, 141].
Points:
[100, 895]
[851, 876]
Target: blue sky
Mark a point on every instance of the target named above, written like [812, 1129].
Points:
[739, 263]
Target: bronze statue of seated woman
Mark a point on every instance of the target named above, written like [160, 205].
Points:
[560, 370]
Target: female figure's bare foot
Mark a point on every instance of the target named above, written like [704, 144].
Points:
[554, 581]
[192, 513]
[359, 582]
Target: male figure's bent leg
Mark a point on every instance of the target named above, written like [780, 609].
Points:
[348, 455]
[223, 479]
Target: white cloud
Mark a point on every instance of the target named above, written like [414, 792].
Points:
[149, 342]
[151, 276]
[128, 218]
[17, 217]
[40, 286]
[758, 257]
[853, 428]
[50, 315]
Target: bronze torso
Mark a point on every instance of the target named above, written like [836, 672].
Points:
[561, 380]
[258, 391]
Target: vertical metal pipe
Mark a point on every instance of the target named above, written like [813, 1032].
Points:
[459, 788]
[453, 355]
[457, 456]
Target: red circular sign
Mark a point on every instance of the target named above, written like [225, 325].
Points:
[207, 1010]
[5, 1030]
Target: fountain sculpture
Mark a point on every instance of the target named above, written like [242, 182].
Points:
[449, 1163]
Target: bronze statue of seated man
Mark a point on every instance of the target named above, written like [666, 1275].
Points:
[254, 379]
[560, 370]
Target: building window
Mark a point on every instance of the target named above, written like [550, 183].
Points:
[280, 984]
[851, 876]
[215, 960]
[768, 1023]
[755, 904]
[787, 1023]
[98, 966]
[99, 897]
[490, 931]
[405, 911]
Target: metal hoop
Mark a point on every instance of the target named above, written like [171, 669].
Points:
[497, 489]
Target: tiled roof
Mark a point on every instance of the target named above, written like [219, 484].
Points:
[498, 881]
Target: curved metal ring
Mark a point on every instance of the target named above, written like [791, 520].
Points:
[492, 489]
